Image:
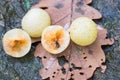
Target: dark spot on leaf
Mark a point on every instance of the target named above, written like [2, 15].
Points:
[53, 76]
[72, 74]
[106, 37]
[90, 66]
[59, 5]
[47, 78]
[44, 8]
[101, 59]
[103, 63]
[85, 57]
[70, 69]
[79, 68]
[44, 57]
[90, 52]
[54, 72]
[74, 67]
[63, 70]
[71, 79]
[81, 73]
[62, 60]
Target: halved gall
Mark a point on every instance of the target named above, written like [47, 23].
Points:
[16, 43]
[55, 39]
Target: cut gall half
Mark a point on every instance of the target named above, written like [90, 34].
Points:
[55, 39]
[16, 42]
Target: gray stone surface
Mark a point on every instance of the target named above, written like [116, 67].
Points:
[110, 10]
[27, 67]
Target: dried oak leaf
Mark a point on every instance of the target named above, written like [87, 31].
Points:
[75, 63]
[62, 12]
[78, 63]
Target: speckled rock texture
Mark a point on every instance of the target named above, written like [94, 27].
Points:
[27, 67]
